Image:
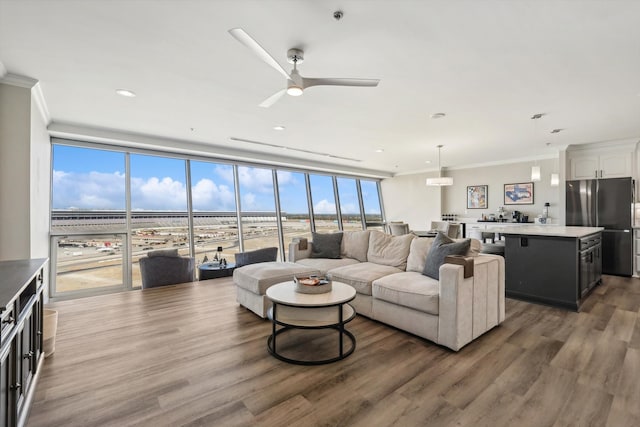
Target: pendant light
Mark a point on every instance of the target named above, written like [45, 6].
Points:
[535, 169]
[440, 181]
[535, 173]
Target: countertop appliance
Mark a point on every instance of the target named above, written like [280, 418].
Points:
[606, 203]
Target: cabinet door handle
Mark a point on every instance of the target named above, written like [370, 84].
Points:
[9, 319]
[596, 171]
[28, 355]
[15, 386]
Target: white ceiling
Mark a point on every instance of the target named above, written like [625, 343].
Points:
[488, 64]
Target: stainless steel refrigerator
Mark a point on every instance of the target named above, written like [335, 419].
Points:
[606, 203]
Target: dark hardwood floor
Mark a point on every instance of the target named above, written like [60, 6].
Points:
[189, 355]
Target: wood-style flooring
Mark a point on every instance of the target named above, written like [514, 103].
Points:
[190, 355]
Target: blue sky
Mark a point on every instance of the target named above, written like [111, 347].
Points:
[86, 178]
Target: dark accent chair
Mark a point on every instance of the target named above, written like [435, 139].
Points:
[254, 257]
[165, 267]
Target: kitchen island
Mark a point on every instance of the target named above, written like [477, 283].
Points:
[552, 264]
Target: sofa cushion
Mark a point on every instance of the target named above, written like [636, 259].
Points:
[355, 244]
[409, 289]
[389, 250]
[420, 249]
[440, 248]
[326, 245]
[361, 275]
[257, 278]
[325, 264]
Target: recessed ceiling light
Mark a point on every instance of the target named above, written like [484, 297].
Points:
[557, 130]
[380, 150]
[537, 116]
[278, 128]
[126, 92]
[438, 115]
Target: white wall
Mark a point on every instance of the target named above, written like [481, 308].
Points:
[40, 185]
[407, 198]
[25, 153]
[455, 197]
[15, 129]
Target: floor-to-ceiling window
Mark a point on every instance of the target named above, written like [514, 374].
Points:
[258, 208]
[325, 214]
[101, 227]
[372, 205]
[294, 206]
[88, 220]
[159, 215]
[215, 223]
[349, 204]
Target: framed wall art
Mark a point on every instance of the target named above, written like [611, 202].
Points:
[518, 194]
[477, 196]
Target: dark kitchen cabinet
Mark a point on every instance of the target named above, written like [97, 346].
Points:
[21, 356]
[553, 270]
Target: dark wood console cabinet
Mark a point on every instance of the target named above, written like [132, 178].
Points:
[21, 338]
[553, 270]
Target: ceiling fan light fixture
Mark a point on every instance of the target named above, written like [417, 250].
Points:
[294, 90]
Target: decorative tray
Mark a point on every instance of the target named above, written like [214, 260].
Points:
[312, 285]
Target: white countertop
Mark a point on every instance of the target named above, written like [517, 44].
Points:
[549, 230]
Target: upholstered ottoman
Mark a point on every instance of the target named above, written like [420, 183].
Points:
[252, 282]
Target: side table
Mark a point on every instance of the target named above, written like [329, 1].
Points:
[211, 271]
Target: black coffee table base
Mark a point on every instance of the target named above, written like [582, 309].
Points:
[286, 327]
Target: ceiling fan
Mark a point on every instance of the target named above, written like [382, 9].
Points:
[296, 84]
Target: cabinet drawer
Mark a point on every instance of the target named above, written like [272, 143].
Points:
[589, 241]
[7, 323]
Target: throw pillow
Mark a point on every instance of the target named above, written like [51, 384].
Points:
[441, 247]
[326, 245]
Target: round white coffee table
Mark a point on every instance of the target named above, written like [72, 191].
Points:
[294, 310]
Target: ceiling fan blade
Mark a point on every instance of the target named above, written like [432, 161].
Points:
[244, 38]
[272, 99]
[308, 82]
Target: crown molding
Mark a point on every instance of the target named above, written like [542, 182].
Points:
[208, 151]
[630, 143]
[28, 83]
[486, 164]
[41, 103]
[19, 81]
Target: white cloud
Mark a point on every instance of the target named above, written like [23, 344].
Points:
[158, 194]
[207, 196]
[249, 202]
[255, 179]
[349, 208]
[324, 207]
[93, 190]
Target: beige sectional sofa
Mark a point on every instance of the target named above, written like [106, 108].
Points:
[386, 272]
